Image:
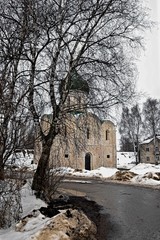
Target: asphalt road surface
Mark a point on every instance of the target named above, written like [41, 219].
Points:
[130, 212]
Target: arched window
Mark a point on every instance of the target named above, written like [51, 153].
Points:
[107, 134]
[65, 131]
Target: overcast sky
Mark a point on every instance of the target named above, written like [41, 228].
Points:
[149, 66]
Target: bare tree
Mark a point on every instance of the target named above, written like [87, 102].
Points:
[138, 126]
[94, 39]
[12, 86]
[91, 37]
[151, 112]
[131, 127]
[126, 142]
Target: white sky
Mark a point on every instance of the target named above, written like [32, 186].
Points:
[149, 65]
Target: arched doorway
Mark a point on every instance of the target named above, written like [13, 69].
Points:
[88, 161]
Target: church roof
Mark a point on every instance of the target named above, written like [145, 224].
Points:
[78, 83]
[75, 82]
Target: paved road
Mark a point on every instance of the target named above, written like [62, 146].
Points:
[131, 213]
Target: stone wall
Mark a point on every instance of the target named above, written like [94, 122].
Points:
[84, 134]
[149, 152]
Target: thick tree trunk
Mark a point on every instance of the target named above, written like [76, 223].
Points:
[1, 169]
[41, 174]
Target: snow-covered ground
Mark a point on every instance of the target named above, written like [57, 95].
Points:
[146, 174]
[125, 160]
[22, 159]
[36, 226]
[29, 203]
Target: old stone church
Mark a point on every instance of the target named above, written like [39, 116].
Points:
[86, 142]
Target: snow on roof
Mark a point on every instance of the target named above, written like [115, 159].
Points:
[149, 140]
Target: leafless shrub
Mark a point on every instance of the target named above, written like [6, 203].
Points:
[51, 183]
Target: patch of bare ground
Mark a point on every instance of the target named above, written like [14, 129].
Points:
[123, 176]
[94, 213]
[90, 208]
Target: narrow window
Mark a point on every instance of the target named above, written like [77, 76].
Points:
[148, 159]
[147, 149]
[107, 135]
[65, 131]
[88, 133]
[79, 101]
[66, 155]
[156, 149]
[108, 156]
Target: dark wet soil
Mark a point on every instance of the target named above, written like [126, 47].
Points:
[94, 213]
[90, 208]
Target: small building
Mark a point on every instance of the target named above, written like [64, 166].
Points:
[86, 141]
[149, 150]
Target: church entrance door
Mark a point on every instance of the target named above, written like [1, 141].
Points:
[88, 161]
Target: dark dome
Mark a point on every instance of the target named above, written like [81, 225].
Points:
[78, 83]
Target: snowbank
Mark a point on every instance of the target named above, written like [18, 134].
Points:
[36, 226]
